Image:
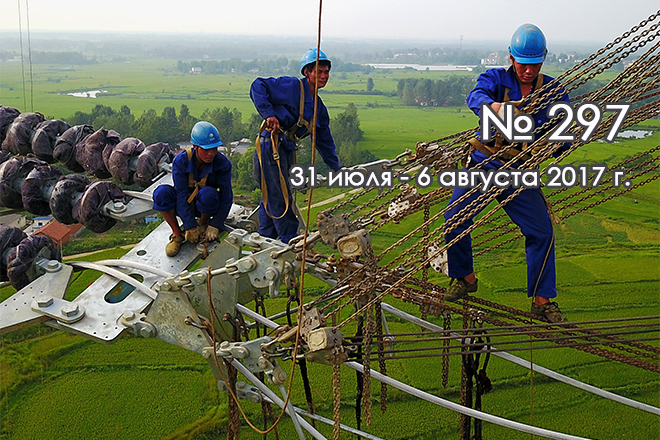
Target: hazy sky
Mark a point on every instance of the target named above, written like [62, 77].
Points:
[561, 20]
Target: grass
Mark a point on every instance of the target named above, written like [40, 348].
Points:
[147, 84]
[44, 413]
[55, 385]
[592, 278]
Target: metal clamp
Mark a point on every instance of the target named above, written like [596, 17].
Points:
[137, 325]
[252, 355]
[57, 308]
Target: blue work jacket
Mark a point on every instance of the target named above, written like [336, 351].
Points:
[219, 176]
[280, 97]
[491, 87]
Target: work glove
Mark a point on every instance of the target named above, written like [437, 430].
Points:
[211, 233]
[192, 235]
[500, 112]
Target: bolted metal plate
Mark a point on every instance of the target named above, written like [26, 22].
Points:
[225, 288]
[137, 208]
[16, 311]
[101, 321]
[169, 313]
[57, 308]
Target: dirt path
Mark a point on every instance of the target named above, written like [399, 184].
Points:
[331, 199]
[84, 254]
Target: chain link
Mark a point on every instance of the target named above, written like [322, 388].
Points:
[445, 360]
[366, 362]
[630, 84]
[336, 393]
[381, 361]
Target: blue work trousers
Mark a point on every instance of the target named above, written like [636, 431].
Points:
[284, 228]
[207, 200]
[527, 210]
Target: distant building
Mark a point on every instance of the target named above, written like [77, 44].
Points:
[492, 60]
[38, 222]
[407, 55]
[241, 147]
[237, 147]
[59, 233]
[14, 220]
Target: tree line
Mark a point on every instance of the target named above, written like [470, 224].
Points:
[447, 92]
[281, 66]
[40, 57]
[237, 65]
[175, 128]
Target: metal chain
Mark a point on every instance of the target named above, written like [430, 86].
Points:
[589, 194]
[445, 360]
[606, 66]
[608, 179]
[466, 383]
[563, 207]
[425, 269]
[336, 392]
[523, 318]
[234, 424]
[366, 362]
[412, 254]
[486, 317]
[382, 366]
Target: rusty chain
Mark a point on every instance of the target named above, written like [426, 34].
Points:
[382, 366]
[336, 392]
[366, 362]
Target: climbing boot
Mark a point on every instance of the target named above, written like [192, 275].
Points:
[549, 311]
[173, 246]
[459, 289]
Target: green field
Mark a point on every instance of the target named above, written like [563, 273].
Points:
[59, 386]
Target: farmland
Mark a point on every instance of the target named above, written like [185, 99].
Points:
[58, 386]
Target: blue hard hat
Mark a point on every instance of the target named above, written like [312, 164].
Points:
[528, 45]
[205, 135]
[310, 58]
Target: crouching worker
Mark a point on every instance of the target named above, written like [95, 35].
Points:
[202, 190]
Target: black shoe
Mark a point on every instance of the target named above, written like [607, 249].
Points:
[459, 289]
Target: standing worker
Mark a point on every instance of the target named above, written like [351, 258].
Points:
[287, 106]
[202, 189]
[528, 209]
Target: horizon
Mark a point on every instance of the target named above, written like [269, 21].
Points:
[264, 46]
[600, 21]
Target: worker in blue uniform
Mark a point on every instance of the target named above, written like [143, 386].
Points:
[528, 209]
[202, 189]
[287, 106]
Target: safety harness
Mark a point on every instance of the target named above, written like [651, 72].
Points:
[275, 141]
[291, 133]
[513, 152]
[192, 183]
[499, 140]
